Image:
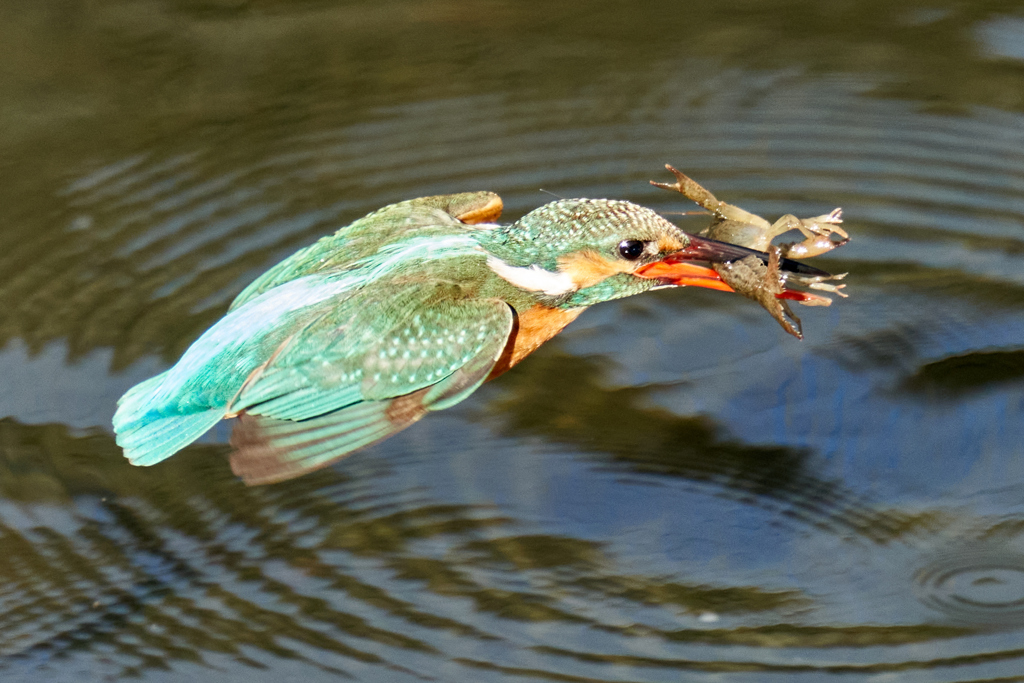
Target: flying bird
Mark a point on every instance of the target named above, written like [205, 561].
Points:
[405, 311]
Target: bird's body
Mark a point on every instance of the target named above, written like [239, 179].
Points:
[404, 311]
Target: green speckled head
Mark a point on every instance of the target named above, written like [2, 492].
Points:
[571, 225]
[544, 238]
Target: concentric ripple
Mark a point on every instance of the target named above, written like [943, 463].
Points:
[975, 585]
[368, 572]
[152, 247]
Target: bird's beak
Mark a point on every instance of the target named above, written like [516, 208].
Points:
[686, 267]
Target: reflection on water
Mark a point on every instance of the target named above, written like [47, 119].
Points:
[974, 371]
[193, 568]
[671, 490]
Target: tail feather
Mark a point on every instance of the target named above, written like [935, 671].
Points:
[147, 442]
[138, 396]
[149, 432]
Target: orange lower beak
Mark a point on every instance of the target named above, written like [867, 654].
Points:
[680, 270]
[683, 275]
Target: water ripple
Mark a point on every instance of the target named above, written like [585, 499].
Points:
[979, 585]
[760, 515]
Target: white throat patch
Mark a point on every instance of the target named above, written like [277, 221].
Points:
[533, 278]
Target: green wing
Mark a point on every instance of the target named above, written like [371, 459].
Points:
[366, 369]
[439, 215]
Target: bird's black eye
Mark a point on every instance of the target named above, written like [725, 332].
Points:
[631, 250]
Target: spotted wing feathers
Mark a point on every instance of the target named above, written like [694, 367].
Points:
[433, 359]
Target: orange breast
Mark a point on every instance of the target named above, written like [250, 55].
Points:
[532, 328]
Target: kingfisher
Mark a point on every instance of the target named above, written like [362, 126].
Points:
[403, 312]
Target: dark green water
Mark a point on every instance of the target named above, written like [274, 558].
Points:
[673, 490]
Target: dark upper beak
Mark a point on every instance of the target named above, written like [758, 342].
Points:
[713, 251]
[679, 268]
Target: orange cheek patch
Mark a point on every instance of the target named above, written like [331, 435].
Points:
[587, 268]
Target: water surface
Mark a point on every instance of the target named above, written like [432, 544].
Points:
[672, 490]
